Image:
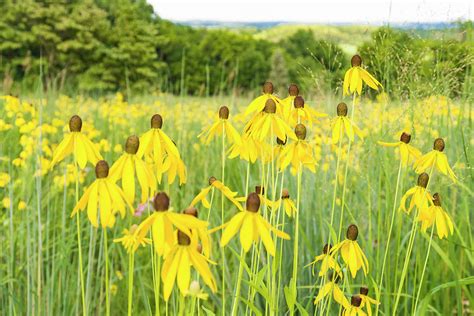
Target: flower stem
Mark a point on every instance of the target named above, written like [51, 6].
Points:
[79, 244]
[295, 244]
[106, 254]
[424, 270]
[222, 219]
[235, 305]
[130, 281]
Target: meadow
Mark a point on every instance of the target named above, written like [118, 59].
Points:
[334, 178]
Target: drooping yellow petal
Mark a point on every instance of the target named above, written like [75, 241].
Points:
[246, 232]
[184, 271]
[170, 277]
[92, 205]
[128, 178]
[232, 228]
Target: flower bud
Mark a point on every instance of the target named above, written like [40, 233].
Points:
[132, 144]
[293, 90]
[438, 144]
[156, 121]
[356, 61]
[299, 102]
[405, 138]
[342, 109]
[423, 180]
[183, 239]
[300, 131]
[352, 232]
[75, 123]
[101, 169]
[270, 106]
[253, 202]
[224, 112]
[161, 202]
[268, 87]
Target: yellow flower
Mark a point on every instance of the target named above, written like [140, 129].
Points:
[366, 300]
[214, 183]
[407, 152]
[252, 227]
[222, 125]
[162, 223]
[327, 262]
[130, 164]
[419, 195]
[300, 112]
[351, 252]
[435, 158]
[4, 179]
[178, 263]
[77, 143]
[434, 214]
[355, 75]
[130, 241]
[355, 308]
[288, 102]
[288, 204]
[342, 125]
[199, 234]
[259, 103]
[331, 287]
[6, 202]
[105, 195]
[249, 149]
[164, 153]
[22, 205]
[299, 152]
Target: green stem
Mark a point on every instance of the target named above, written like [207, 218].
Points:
[79, 243]
[106, 254]
[130, 281]
[157, 284]
[235, 305]
[222, 219]
[295, 244]
[424, 270]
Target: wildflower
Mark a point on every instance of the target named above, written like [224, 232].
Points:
[288, 102]
[77, 143]
[367, 301]
[269, 122]
[435, 158]
[105, 195]
[434, 214]
[332, 287]
[130, 241]
[299, 152]
[196, 291]
[178, 263]
[130, 164]
[355, 75]
[6, 202]
[252, 226]
[163, 151]
[407, 152]
[341, 124]
[22, 205]
[355, 308]
[301, 112]
[4, 179]
[199, 234]
[288, 204]
[214, 183]
[327, 262]
[221, 125]
[419, 195]
[249, 149]
[162, 223]
[351, 252]
[259, 103]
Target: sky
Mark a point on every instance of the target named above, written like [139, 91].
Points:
[316, 11]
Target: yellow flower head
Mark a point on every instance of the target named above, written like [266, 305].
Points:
[420, 197]
[162, 151]
[299, 152]
[162, 223]
[351, 253]
[327, 262]
[199, 234]
[435, 158]
[288, 204]
[103, 195]
[221, 126]
[343, 125]
[355, 308]
[259, 103]
[407, 152]
[300, 112]
[356, 75]
[178, 263]
[367, 301]
[77, 143]
[252, 227]
[250, 149]
[288, 102]
[331, 287]
[434, 214]
[130, 241]
[214, 183]
[4, 179]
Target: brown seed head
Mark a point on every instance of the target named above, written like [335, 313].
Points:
[341, 109]
[285, 194]
[327, 248]
[293, 90]
[270, 106]
[364, 290]
[300, 131]
[75, 123]
[253, 202]
[438, 144]
[212, 179]
[101, 169]
[299, 102]
[436, 199]
[156, 121]
[259, 189]
[132, 144]
[356, 61]
[423, 180]
[161, 202]
[352, 232]
[191, 211]
[268, 87]
[224, 112]
[281, 142]
[183, 239]
[405, 138]
[356, 300]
